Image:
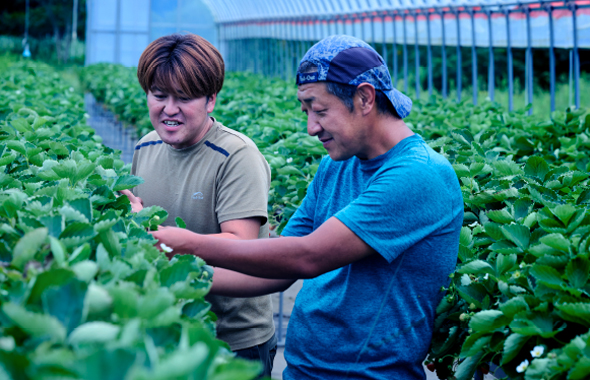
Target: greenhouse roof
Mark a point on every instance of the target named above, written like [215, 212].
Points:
[243, 10]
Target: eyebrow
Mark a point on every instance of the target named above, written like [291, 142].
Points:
[306, 100]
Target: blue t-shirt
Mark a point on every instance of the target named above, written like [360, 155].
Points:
[373, 319]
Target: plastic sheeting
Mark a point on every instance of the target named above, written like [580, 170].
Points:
[119, 30]
[388, 26]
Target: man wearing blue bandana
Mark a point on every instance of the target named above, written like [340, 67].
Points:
[375, 238]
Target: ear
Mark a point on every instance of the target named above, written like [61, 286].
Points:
[211, 103]
[366, 97]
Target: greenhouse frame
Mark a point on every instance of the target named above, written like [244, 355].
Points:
[271, 37]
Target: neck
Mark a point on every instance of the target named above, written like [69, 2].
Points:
[385, 133]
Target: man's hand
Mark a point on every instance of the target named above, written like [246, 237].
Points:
[180, 240]
[136, 202]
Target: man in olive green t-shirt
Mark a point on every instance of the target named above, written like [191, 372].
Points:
[211, 176]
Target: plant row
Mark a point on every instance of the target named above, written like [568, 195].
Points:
[520, 296]
[84, 293]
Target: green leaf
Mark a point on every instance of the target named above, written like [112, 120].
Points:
[81, 253]
[28, 246]
[518, 234]
[584, 197]
[85, 270]
[501, 216]
[199, 307]
[36, 325]
[58, 250]
[180, 363]
[564, 213]
[56, 277]
[512, 346]
[536, 167]
[476, 267]
[474, 344]
[54, 223]
[534, 324]
[290, 170]
[514, 306]
[154, 303]
[108, 364]
[488, 321]
[236, 370]
[94, 332]
[557, 241]
[579, 310]
[581, 369]
[179, 222]
[66, 303]
[577, 271]
[546, 274]
[467, 368]
[127, 181]
[505, 262]
[83, 206]
[461, 170]
[97, 299]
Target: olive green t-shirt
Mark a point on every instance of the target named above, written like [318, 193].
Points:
[222, 177]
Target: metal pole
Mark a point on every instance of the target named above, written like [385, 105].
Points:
[551, 57]
[509, 52]
[444, 56]
[384, 39]
[416, 55]
[373, 42]
[459, 63]
[529, 59]
[491, 57]
[429, 53]
[394, 48]
[571, 78]
[74, 21]
[576, 55]
[405, 61]
[362, 24]
[26, 22]
[473, 57]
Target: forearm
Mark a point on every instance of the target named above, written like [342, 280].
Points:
[233, 284]
[285, 258]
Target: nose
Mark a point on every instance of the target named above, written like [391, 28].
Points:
[313, 126]
[171, 106]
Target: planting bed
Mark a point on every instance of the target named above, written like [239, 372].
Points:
[84, 294]
[520, 297]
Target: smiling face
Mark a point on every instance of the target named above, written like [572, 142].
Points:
[340, 131]
[180, 121]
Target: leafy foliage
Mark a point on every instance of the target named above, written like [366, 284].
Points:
[522, 276]
[84, 294]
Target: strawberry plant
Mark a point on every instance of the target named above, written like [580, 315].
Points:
[520, 296]
[84, 294]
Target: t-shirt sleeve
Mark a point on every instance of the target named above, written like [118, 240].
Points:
[401, 206]
[242, 186]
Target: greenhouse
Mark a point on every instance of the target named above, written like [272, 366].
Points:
[335, 189]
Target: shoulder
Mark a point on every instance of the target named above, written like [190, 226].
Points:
[228, 141]
[150, 140]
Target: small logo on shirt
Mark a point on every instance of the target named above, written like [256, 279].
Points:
[197, 195]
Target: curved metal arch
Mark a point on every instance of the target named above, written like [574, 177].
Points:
[243, 10]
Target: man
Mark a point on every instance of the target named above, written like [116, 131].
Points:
[375, 238]
[213, 177]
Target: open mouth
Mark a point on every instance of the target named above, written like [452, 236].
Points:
[171, 125]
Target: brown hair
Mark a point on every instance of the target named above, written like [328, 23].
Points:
[181, 65]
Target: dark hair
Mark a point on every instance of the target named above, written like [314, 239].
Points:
[346, 92]
[181, 65]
